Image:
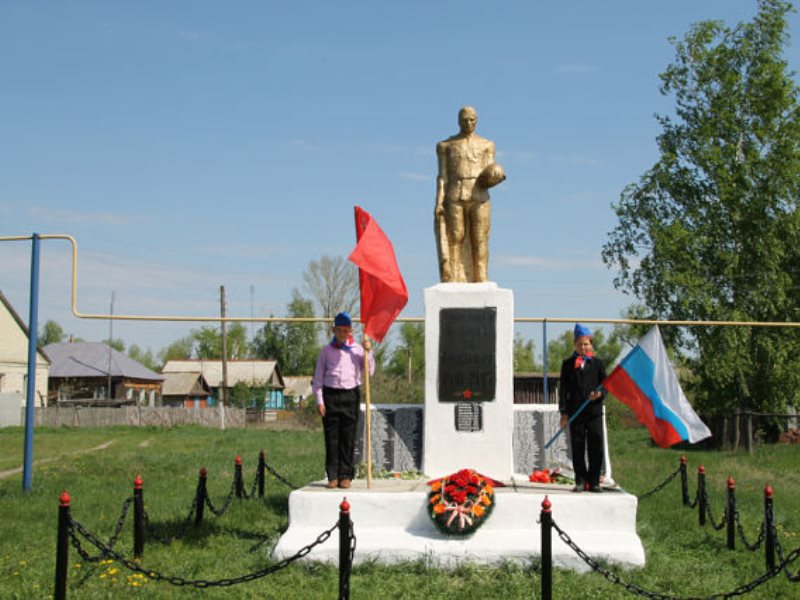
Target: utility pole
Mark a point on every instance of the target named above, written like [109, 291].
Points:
[223, 396]
[109, 395]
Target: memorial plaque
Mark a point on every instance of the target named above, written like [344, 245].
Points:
[469, 416]
[467, 354]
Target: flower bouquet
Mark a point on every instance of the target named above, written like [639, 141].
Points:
[548, 476]
[460, 503]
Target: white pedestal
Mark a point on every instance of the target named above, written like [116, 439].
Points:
[391, 525]
[490, 450]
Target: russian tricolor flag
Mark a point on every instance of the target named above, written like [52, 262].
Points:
[645, 381]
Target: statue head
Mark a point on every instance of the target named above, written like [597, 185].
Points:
[467, 120]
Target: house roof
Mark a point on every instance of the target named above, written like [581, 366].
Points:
[4, 301]
[247, 371]
[183, 384]
[297, 386]
[91, 359]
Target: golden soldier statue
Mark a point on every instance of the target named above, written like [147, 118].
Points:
[466, 172]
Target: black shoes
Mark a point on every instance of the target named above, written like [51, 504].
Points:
[595, 489]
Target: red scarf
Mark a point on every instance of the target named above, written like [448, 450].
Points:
[581, 359]
[347, 344]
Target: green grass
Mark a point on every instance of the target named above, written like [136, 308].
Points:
[682, 558]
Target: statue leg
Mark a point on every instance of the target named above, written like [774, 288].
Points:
[479, 232]
[454, 215]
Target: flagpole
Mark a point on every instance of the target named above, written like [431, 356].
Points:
[572, 418]
[368, 423]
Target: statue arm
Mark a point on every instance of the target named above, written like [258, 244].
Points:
[440, 182]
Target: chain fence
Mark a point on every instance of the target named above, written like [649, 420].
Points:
[615, 578]
[76, 529]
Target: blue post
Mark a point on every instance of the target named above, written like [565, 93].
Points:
[544, 358]
[30, 396]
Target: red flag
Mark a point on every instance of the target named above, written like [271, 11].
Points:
[383, 291]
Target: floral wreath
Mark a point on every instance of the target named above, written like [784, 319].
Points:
[460, 503]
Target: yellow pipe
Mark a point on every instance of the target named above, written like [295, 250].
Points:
[218, 319]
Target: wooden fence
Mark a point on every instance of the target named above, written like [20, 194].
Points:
[137, 416]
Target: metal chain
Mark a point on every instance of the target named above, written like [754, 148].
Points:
[220, 511]
[280, 477]
[180, 533]
[253, 488]
[198, 583]
[114, 537]
[785, 562]
[714, 524]
[635, 589]
[661, 485]
[694, 502]
[761, 534]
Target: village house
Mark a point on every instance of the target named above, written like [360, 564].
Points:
[252, 373]
[14, 366]
[189, 390]
[80, 374]
[297, 390]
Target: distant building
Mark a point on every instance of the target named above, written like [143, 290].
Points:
[529, 388]
[251, 372]
[297, 390]
[189, 390]
[79, 374]
[14, 366]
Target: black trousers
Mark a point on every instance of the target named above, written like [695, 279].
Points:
[340, 423]
[586, 433]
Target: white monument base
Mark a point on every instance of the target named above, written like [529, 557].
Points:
[391, 525]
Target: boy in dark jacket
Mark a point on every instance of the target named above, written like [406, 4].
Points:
[581, 375]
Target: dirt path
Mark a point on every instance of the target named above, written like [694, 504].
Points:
[10, 472]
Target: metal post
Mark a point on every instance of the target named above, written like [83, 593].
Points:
[200, 497]
[684, 481]
[769, 529]
[730, 514]
[138, 517]
[62, 547]
[546, 519]
[261, 465]
[701, 495]
[545, 386]
[344, 550]
[238, 484]
[33, 342]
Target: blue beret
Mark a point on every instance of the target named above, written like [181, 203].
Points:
[342, 320]
[581, 331]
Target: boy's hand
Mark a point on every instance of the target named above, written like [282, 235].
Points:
[563, 422]
[595, 395]
[321, 410]
[367, 343]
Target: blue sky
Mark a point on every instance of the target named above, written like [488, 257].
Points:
[188, 145]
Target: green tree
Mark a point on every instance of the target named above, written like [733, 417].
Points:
[117, 344]
[524, 353]
[51, 333]
[180, 349]
[244, 395]
[402, 378]
[293, 345]
[208, 342]
[712, 231]
[145, 358]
